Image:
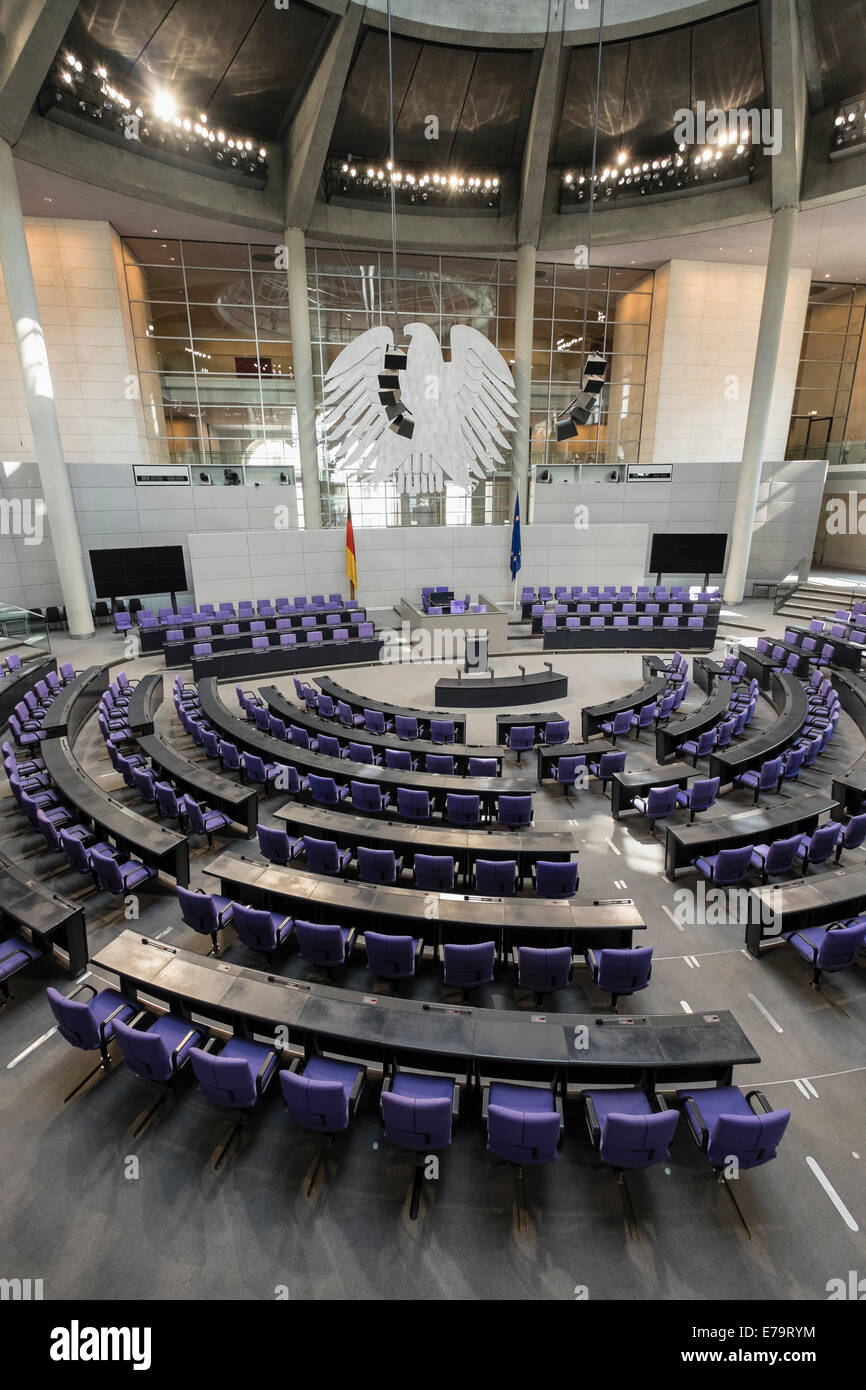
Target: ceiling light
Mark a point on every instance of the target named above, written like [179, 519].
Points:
[164, 106]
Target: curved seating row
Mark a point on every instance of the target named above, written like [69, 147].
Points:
[358, 703]
[255, 662]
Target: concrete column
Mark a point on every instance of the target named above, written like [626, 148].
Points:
[760, 397]
[302, 358]
[524, 313]
[33, 359]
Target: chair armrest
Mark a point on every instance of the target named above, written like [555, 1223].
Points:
[455, 1103]
[591, 961]
[138, 1017]
[592, 1121]
[359, 1086]
[175, 1066]
[419, 950]
[105, 1022]
[262, 1084]
[757, 1098]
[92, 988]
[658, 1102]
[703, 1137]
[485, 1103]
[813, 949]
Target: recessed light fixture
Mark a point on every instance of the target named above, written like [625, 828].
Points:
[46, 199]
[826, 275]
[155, 230]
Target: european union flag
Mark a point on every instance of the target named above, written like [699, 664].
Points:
[515, 538]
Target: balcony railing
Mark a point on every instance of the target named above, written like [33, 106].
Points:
[686, 170]
[416, 187]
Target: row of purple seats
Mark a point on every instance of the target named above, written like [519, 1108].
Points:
[522, 1124]
[261, 642]
[374, 721]
[264, 608]
[619, 620]
[594, 591]
[431, 872]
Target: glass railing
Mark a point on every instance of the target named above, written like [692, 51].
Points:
[23, 628]
[798, 575]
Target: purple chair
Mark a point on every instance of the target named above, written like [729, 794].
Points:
[276, 846]
[442, 763]
[392, 957]
[514, 811]
[462, 808]
[627, 1131]
[659, 803]
[398, 758]
[324, 945]
[378, 865]
[700, 747]
[620, 724]
[700, 796]
[418, 1112]
[468, 967]
[119, 876]
[495, 878]
[818, 847]
[554, 732]
[829, 948]
[369, 797]
[767, 778]
[325, 791]
[261, 930]
[542, 970]
[89, 1025]
[727, 867]
[524, 1128]
[322, 1095]
[645, 717]
[406, 726]
[413, 805]
[206, 913]
[442, 731]
[375, 722]
[569, 771]
[775, 858]
[434, 873]
[157, 1053]
[347, 717]
[323, 856]
[620, 971]
[236, 1077]
[552, 879]
[852, 834]
[725, 1125]
[521, 739]
[482, 767]
[607, 765]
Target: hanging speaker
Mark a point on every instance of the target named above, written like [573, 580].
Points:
[396, 360]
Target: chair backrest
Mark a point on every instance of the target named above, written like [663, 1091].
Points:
[515, 810]
[376, 865]
[622, 971]
[198, 910]
[417, 1123]
[144, 1051]
[661, 801]
[522, 1136]
[317, 1105]
[322, 855]
[442, 731]
[854, 832]
[781, 854]
[703, 793]
[366, 796]
[274, 844]
[751, 1139]
[107, 871]
[390, 955]
[555, 880]
[609, 763]
[406, 726]
[543, 968]
[496, 876]
[394, 757]
[414, 805]
[841, 946]
[469, 965]
[226, 1080]
[771, 771]
[255, 927]
[76, 1022]
[320, 943]
[637, 1141]
[483, 767]
[323, 790]
[732, 865]
[823, 841]
[434, 872]
[461, 808]
[360, 752]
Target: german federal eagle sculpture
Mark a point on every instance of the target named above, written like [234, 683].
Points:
[462, 409]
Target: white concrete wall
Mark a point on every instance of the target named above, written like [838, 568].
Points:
[701, 354]
[395, 563]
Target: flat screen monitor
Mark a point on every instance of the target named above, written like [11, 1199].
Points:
[147, 569]
[688, 552]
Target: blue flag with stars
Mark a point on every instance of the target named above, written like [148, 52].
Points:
[515, 538]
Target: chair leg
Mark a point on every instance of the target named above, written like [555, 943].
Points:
[100, 1066]
[730, 1191]
[145, 1120]
[317, 1167]
[236, 1129]
[520, 1194]
[628, 1208]
[415, 1203]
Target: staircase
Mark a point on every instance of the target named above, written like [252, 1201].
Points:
[811, 600]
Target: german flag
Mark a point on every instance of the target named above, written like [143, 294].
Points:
[351, 559]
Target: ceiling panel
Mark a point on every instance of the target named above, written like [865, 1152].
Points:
[271, 69]
[658, 85]
[840, 39]
[192, 48]
[361, 127]
[727, 70]
[491, 127]
[113, 32]
[438, 86]
[574, 142]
